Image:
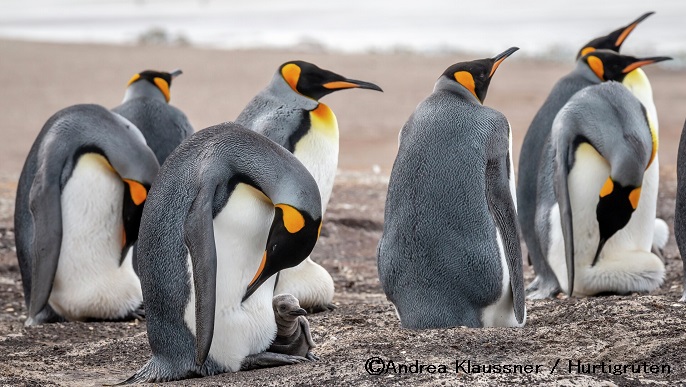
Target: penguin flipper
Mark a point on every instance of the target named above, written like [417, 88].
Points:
[46, 211]
[504, 214]
[562, 167]
[199, 239]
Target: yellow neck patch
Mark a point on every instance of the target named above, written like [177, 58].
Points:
[634, 196]
[597, 66]
[291, 74]
[138, 192]
[260, 269]
[466, 79]
[163, 86]
[292, 218]
[656, 141]
[322, 120]
[608, 187]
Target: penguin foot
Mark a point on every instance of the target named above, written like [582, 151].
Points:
[269, 359]
[683, 297]
[320, 308]
[539, 289]
[311, 356]
[45, 316]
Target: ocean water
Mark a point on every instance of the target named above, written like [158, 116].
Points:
[538, 27]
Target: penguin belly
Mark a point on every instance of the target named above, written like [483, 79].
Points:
[501, 312]
[625, 264]
[240, 234]
[89, 282]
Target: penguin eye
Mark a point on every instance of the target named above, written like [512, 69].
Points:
[274, 247]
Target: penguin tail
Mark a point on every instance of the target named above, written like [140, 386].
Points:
[155, 372]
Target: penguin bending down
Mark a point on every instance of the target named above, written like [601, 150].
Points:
[228, 210]
[288, 112]
[450, 254]
[146, 105]
[79, 202]
[593, 68]
[601, 226]
[680, 212]
[293, 335]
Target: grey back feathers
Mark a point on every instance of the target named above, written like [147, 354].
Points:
[278, 113]
[448, 195]
[68, 134]
[680, 212]
[164, 126]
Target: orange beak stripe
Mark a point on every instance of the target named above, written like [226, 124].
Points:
[624, 34]
[340, 85]
[138, 192]
[163, 86]
[636, 65]
[260, 269]
[495, 66]
[133, 79]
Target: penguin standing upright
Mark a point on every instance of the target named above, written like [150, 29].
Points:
[146, 105]
[79, 202]
[600, 227]
[680, 211]
[593, 68]
[449, 254]
[228, 210]
[288, 112]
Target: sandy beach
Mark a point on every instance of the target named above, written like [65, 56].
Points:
[38, 79]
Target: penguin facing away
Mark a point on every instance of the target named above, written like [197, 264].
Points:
[603, 144]
[450, 254]
[79, 202]
[593, 68]
[146, 105]
[680, 211]
[228, 210]
[293, 335]
[289, 113]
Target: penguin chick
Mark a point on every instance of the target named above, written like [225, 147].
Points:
[293, 330]
[146, 105]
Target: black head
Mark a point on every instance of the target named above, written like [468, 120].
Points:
[611, 66]
[292, 237]
[160, 79]
[313, 82]
[476, 75]
[612, 41]
[615, 207]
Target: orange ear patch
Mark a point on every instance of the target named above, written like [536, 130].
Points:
[133, 79]
[608, 187]
[586, 50]
[634, 196]
[260, 269]
[163, 86]
[597, 66]
[292, 218]
[466, 79]
[291, 74]
[138, 192]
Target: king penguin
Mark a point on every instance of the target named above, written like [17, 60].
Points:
[601, 226]
[680, 211]
[79, 201]
[288, 112]
[228, 210]
[450, 254]
[146, 105]
[531, 163]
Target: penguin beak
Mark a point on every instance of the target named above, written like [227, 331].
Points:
[644, 61]
[260, 277]
[350, 84]
[601, 244]
[498, 59]
[627, 30]
[298, 312]
[176, 73]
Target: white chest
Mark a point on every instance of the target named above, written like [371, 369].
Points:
[89, 281]
[240, 234]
